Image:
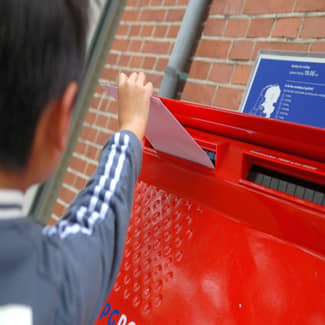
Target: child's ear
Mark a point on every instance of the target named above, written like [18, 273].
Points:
[63, 115]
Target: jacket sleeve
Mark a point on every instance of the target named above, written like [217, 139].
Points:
[89, 240]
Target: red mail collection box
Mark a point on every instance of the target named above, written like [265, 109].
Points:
[243, 243]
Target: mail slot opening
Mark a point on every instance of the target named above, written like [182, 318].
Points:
[207, 147]
[212, 156]
[210, 149]
[294, 186]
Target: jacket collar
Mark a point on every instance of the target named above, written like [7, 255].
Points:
[11, 204]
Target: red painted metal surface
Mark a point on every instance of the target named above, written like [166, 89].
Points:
[209, 246]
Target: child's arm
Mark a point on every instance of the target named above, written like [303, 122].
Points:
[87, 244]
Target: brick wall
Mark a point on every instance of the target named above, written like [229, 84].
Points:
[234, 32]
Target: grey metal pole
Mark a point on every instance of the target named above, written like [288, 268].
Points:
[183, 49]
[47, 196]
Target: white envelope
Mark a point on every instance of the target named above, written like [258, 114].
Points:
[167, 135]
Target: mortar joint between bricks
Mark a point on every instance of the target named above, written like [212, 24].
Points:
[76, 173]
[216, 84]
[85, 158]
[70, 188]
[259, 39]
[273, 15]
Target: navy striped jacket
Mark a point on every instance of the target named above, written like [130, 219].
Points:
[64, 273]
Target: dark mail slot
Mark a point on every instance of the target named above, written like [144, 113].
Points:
[212, 156]
[294, 186]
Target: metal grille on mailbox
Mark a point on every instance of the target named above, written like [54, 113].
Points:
[243, 243]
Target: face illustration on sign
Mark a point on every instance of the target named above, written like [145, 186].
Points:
[271, 97]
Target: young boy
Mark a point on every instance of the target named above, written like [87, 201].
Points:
[62, 274]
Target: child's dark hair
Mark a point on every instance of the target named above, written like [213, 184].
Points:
[42, 49]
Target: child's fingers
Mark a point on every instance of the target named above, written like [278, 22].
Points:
[141, 79]
[149, 88]
[122, 78]
[133, 77]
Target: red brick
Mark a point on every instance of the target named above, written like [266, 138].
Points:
[144, 3]
[120, 45]
[170, 2]
[58, 209]
[314, 27]
[182, 2]
[122, 30]
[241, 50]
[92, 152]
[95, 102]
[66, 195]
[69, 178]
[318, 47]
[221, 72]
[268, 6]
[237, 28]
[78, 164]
[103, 105]
[124, 60]
[112, 59]
[160, 31]
[241, 75]
[153, 15]
[80, 183]
[175, 15]
[227, 7]
[134, 31]
[287, 27]
[228, 98]
[113, 124]
[173, 31]
[146, 31]
[91, 168]
[213, 49]
[135, 46]
[103, 138]
[80, 148]
[198, 93]
[149, 62]
[162, 64]
[155, 79]
[136, 61]
[132, 3]
[102, 121]
[109, 74]
[156, 3]
[112, 107]
[130, 15]
[99, 90]
[214, 27]
[281, 46]
[199, 69]
[156, 47]
[310, 5]
[88, 133]
[90, 117]
[260, 27]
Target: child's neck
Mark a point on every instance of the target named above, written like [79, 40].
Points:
[13, 181]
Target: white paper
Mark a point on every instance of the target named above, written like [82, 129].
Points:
[167, 135]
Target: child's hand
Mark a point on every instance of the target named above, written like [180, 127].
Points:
[134, 102]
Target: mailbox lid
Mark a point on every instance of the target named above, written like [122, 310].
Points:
[293, 138]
